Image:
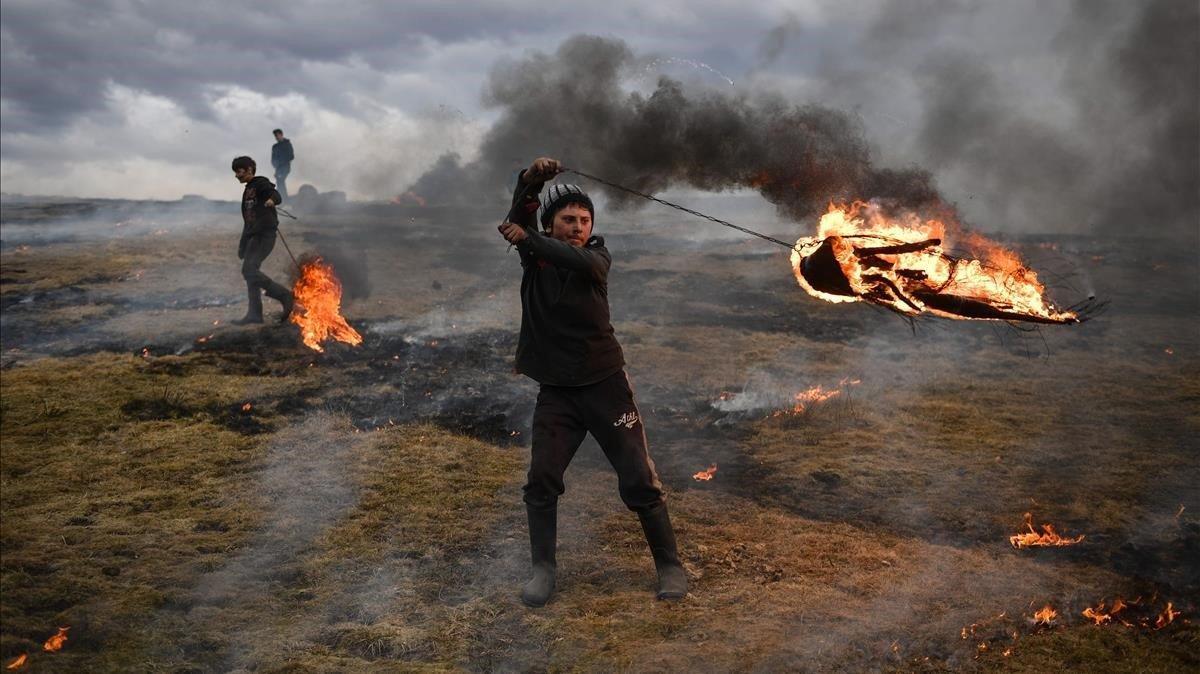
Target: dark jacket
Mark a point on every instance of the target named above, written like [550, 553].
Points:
[258, 218]
[281, 152]
[567, 336]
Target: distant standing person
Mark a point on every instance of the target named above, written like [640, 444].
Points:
[281, 158]
[260, 224]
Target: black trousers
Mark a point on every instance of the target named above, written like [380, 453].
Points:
[564, 415]
[258, 247]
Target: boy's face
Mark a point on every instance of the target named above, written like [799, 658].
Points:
[278, 136]
[572, 224]
[244, 175]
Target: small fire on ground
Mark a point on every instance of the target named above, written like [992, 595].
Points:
[706, 474]
[817, 394]
[1048, 538]
[1000, 631]
[318, 306]
[794, 403]
[1045, 616]
[56, 642]
[19, 662]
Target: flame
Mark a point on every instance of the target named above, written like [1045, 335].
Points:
[706, 475]
[319, 299]
[1045, 615]
[1167, 616]
[1048, 538]
[1101, 616]
[814, 395]
[897, 261]
[19, 662]
[818, 394]
[246, 407]
[55, 643]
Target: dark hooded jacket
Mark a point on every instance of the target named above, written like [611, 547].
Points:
[281, 152]
[257, 217]
[567, 337]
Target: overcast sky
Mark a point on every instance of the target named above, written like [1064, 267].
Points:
[120, 98]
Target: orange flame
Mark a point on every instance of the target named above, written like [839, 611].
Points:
[319, 298]
[1165, 618]
[819, 394]
[55, 643]
[706, 475]
[898, 261]
[19, 662]
[1048, 538]
[1045, 615]
[246, 407]
[1101, 616]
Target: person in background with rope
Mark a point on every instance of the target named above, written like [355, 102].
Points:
[567, 345]
[259, 226]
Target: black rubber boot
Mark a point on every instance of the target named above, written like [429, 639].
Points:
[254, 311]
[543, 538]
[672, 581]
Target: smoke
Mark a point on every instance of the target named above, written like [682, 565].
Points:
[1121, 151]
[1084, 122]
[573, 105]
[1156, 71]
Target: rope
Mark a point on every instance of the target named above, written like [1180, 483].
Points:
[685, 209]
[285, 243]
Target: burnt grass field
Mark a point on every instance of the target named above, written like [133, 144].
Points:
[191, 496]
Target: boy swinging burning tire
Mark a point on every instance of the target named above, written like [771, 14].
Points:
[568, 346]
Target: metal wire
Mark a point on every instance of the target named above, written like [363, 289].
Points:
[685, 209]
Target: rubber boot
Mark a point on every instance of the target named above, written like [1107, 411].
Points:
[543, 538]
[254, 311]
[672, 581]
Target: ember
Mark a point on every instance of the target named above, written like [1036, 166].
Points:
[55, 643]
[19, 662]
[706, 475]
[861, 254]
[1048, 538]
[246, 407]
[318, 311]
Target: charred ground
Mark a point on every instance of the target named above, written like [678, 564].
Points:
[363, 511]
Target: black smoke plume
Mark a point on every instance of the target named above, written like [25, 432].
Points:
[571, 105]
